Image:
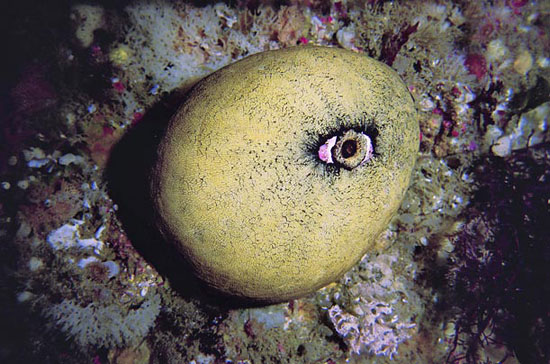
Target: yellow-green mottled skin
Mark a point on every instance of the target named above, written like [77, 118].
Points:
[239, 187]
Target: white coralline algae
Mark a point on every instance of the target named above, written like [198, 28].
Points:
[68, 236]
[377, 321]
[105, 326]
[112, 267]
[531, 129]
[63, 238]
[82, 263]
[90, 243]
[373, 328]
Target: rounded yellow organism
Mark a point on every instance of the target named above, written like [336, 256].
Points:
[279, 171]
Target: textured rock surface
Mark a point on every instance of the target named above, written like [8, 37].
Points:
[240, 188]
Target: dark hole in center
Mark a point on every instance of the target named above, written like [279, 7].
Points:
[349, 147]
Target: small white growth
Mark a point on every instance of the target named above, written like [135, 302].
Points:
[23, 184]
[90, 243]
[206, 359]
[496, 50]
[82, 263]
[493, 133]
[154, 90]
[503, 146]
[113, 268]
[543, 62]
[467, 95]
[38, 163]
[435, 11]
[69, 158]
[533, 126]
[99, 231]
[35, 264]
[426, 104]
[24, 296]
[346, 36]
[523, 63]
[33, 153]
[226, 14]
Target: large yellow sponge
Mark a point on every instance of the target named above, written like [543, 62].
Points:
[279, 171]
